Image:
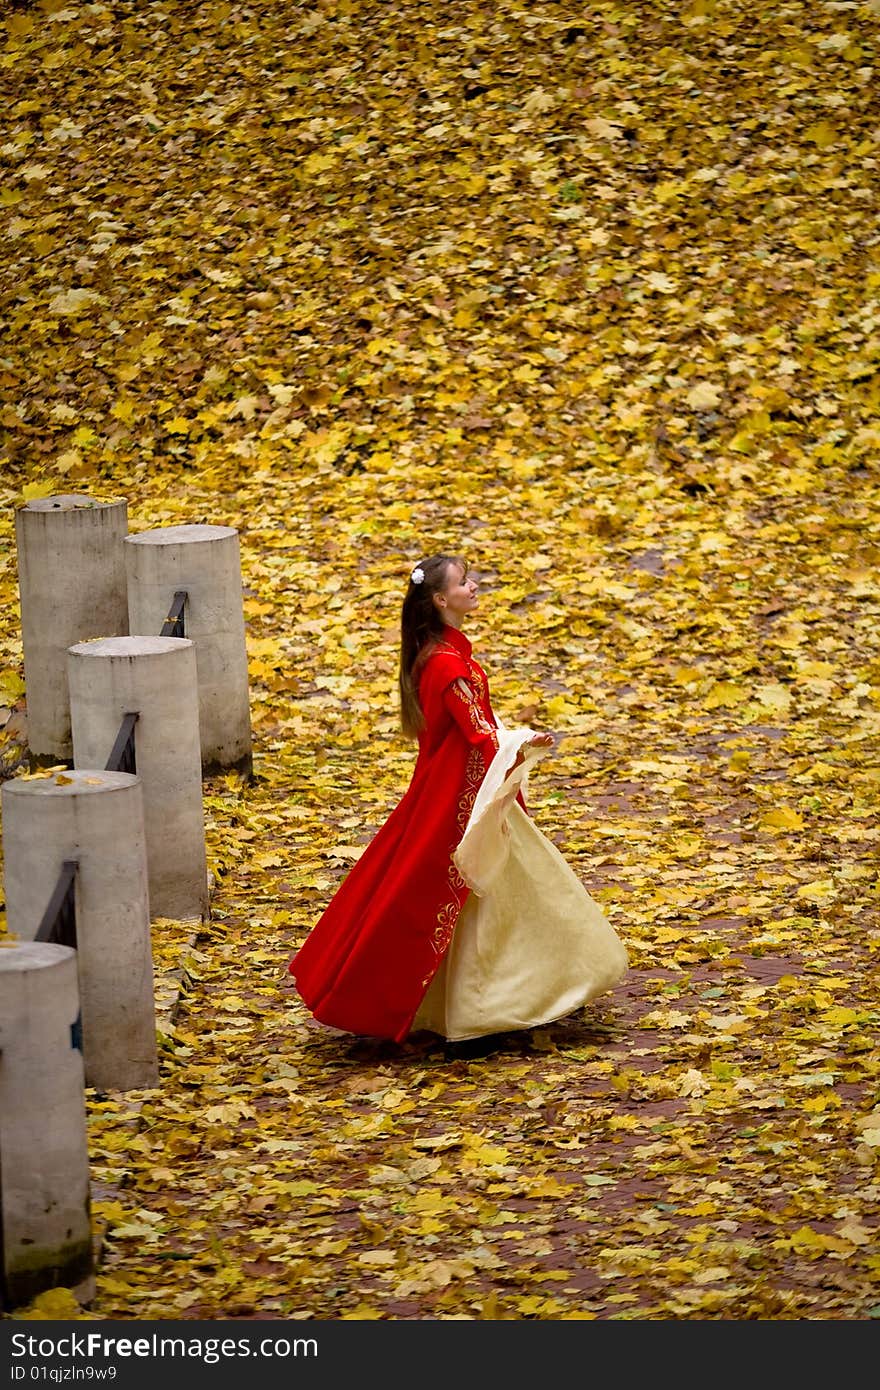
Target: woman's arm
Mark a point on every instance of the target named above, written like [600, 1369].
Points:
[460, 700]
[536, 741]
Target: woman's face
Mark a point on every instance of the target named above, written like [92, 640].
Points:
[459, 596]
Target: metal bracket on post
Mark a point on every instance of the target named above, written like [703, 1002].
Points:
[173, 625]
[58, 926]
[122, 757]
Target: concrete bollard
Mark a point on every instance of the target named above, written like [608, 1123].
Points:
[72, 586]
[155, 677]
[45, 1213]
[205, 562]
[97, 819]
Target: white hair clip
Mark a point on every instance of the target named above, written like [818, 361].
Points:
[418, 575]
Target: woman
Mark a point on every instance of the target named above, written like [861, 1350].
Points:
[460, 917]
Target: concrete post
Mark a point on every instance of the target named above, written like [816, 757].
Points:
[45, 1216]
[72, 586]
[155, 677]
[206, 563]
[97, 819]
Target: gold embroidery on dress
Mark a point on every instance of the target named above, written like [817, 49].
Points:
[473, 776]
[478, 679]
[447, 917]
[477, 718]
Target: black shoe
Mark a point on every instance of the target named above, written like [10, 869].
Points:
[473, 1047]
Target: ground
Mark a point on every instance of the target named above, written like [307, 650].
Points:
[590, 297]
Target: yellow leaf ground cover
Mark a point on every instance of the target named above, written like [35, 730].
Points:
[592, 297]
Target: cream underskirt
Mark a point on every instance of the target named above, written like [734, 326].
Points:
[531, 945]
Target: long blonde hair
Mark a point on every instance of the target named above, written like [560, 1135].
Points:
[421, 628]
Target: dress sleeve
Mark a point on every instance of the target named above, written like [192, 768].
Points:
[461, 701]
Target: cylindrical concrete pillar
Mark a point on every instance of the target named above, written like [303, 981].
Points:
[156, 678]
[72, 585]
[97, 819]
[44, 1161]
[205, 562]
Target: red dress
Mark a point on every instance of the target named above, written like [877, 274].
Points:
[368, 961]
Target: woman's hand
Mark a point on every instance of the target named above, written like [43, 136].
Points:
[541, 741]
[536, 741]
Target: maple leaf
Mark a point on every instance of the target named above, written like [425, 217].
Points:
[530, 290]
